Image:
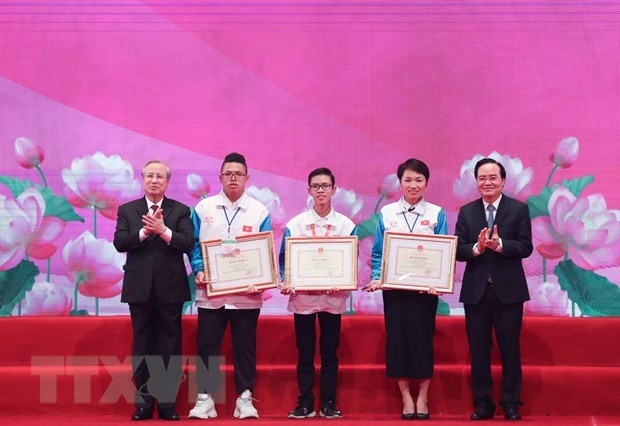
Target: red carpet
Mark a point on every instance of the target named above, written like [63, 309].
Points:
[348, 420]
[74, 366]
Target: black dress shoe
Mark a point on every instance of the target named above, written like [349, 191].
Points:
[482, 414]
[408, 416]
[512, 414]
[142, 414]
[170, 414]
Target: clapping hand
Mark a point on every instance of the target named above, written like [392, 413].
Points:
[488, 239]
[492, 242]
[154, 224]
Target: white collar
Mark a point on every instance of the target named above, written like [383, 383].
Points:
[315, 218]
[419, 207]
[224, 201]
[495, 203]
[149, 203]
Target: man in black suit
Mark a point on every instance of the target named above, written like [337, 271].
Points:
[494, 235]
[155, 231]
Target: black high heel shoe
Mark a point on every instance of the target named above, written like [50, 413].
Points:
[423, 416]
[408, 416]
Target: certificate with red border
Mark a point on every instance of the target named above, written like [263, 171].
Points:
[321, 263]
[252, 262]
[418, 262]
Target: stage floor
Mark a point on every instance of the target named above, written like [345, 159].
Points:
[347, 420]
[67, 367]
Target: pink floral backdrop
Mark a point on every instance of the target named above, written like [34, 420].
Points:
[90, 91]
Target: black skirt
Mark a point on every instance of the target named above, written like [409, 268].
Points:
[409, 332]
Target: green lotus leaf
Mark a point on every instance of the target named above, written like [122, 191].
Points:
[59, 206]
[192, 289]
[366, 228]
[443, 308]
[17, 186]
[14, 283]
[594, 294]
[576, 186]
[56, 206]
[539, 204]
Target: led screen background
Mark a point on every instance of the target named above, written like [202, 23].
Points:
[358, 87]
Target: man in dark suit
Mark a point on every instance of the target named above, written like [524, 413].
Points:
[494, 235]
[155, 231]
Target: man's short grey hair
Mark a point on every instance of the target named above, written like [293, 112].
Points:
[168, 172]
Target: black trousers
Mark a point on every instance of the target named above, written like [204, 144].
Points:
[305, 332]
[156, 352]
[211, 327]
[506, 319]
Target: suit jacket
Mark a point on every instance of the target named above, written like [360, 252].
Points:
[505, 269]
[154, 265]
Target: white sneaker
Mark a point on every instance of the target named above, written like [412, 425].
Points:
[244, 407]
[205, 407]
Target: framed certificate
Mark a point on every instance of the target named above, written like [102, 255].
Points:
[418, 262]
[250, 262]
[321, 263]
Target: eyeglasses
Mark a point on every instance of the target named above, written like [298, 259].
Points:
[492, 178]
[152, 176]
[236, 175]
[323, 186]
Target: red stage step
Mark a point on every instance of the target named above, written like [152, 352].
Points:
[571, 366]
